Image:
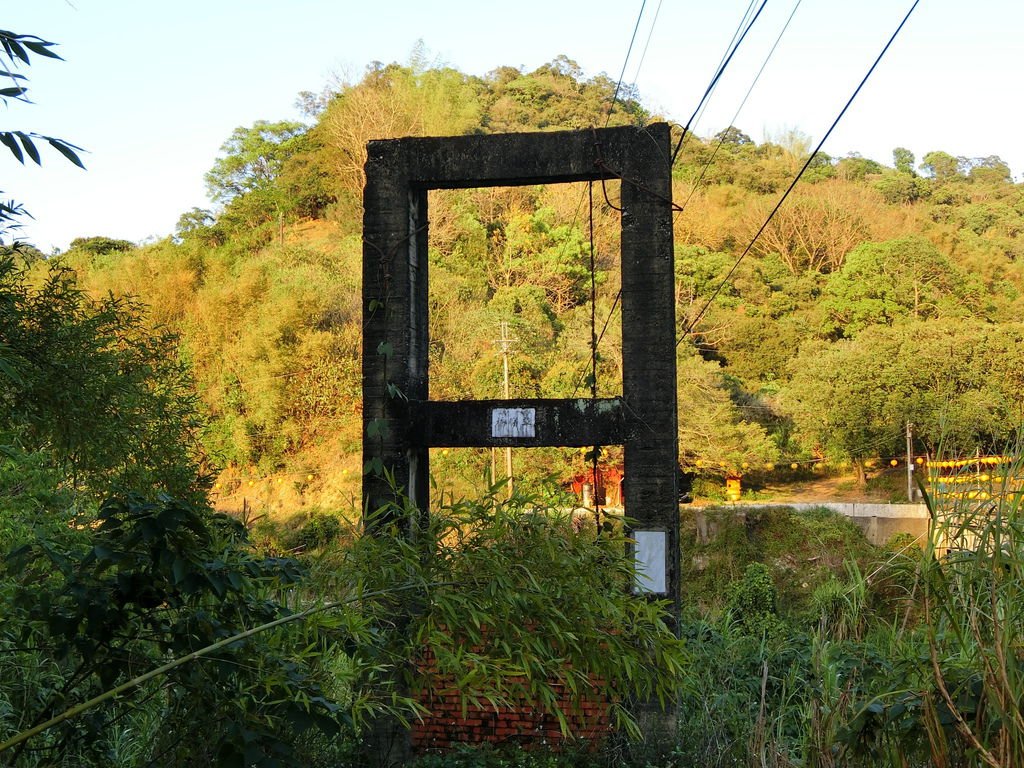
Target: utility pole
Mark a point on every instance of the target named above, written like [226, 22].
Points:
[910, 462]
[506, 344]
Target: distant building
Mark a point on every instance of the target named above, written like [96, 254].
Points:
[606, 492]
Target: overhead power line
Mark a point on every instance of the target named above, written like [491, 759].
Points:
[716, 77]
[737, 38]
[650, 33]
[793, 184]
[732, 122]
[622, 74]
[692, 124]
[608, 117]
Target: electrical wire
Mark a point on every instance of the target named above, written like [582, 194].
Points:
[725, 54]
[593, 300]
[643, 55]
[715, 79]
[593, 360]
[736, 33]
[732, 122]
[615, 98]
[699, 112]
[799, 174]
[737, 38]
[622, 74]
[618, 84]
[579, 205]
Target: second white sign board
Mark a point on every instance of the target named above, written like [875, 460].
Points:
[650, 562]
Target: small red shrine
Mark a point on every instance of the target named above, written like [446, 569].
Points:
[606, 491]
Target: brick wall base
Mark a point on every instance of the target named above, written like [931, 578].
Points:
[447, 725]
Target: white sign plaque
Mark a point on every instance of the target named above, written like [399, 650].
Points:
[650, 562]
[513, 422]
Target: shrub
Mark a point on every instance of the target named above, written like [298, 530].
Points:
[92, 605]
[751, 601]
[319, 531]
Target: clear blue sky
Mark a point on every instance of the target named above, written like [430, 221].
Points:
[152, 89]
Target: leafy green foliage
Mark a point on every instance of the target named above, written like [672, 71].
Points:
[319, 531]
[989, 170]
[973, 617]
[247, 181]
[100, 245]
[944, 689]
[252, 159]
[21, 144]
[876, 297]
[510, 602]
[712, 430]
[514, 605]
[556, 96]
[896, 657]
[884, 283]
[95, 603]
[942, 166]
[901, 188]
[751, 601]
[89, 385]
[951, 380]
[801, 550]
[506, 756]
[264, 291]
[94, 594]
[903, 160]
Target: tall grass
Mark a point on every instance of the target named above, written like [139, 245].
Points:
[911, 657]
[973, 601]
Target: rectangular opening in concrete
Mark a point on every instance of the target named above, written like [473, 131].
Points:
[510, 289]
[463, 473]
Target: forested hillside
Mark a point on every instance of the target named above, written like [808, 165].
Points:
[884, 291]
[140, 627]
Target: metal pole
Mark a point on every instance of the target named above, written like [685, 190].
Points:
[505, 341]
[910, 463]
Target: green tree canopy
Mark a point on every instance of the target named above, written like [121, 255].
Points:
[87, 384]
[713, 430]
[733, 136]
[899, 188]
[265, 297]
[852, 399]
[942, 166]
[989, 170]
[99, 244]
[903, 160]
[198, 224]
[853, 166]
[884, 283]
[252, 159]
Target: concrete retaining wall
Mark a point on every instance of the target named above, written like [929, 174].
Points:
[880, 522]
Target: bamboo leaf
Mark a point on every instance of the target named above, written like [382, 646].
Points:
[11, 143]
[30, 147]
[68, 150]
[42, 48]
